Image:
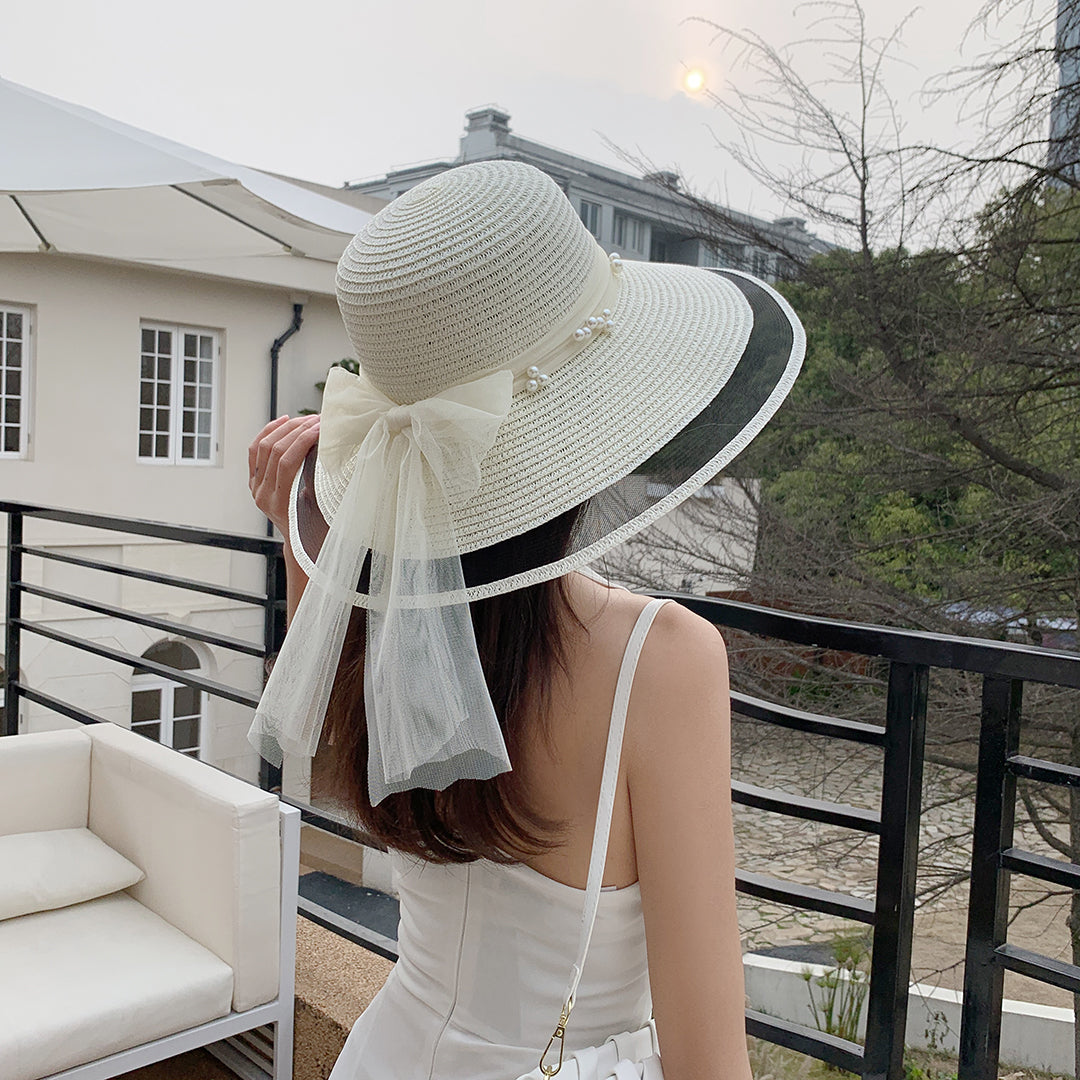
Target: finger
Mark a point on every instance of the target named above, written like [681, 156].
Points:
[253, 448]
[272, 474]
[293, 456]
[268, 441]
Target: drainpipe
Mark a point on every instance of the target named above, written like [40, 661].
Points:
[275, 353]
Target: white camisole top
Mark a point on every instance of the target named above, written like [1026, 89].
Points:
[484, 954]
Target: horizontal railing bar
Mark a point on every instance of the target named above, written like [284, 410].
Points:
[1040, 866]
[805, 896]
[1005, 659]
[255, 599]
[829, 726]
[187, 534]
[798, 806]
[319, 819]
[1035, 966]
[58, 706]
[840, 1053]
[215, 689]
[363, 936]
[1047, 772]
[166, 625]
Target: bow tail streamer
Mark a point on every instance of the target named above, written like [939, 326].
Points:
[430, 716]
[289, 717]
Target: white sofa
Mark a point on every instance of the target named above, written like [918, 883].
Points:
[200, 949]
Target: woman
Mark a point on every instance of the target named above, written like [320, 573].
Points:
[475, 677]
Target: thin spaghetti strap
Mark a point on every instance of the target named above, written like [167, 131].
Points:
[606, 804]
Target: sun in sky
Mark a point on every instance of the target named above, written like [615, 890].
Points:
[694, 80]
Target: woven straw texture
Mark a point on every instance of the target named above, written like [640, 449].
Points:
[463, 274]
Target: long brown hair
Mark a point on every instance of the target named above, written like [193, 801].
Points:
[521, 640]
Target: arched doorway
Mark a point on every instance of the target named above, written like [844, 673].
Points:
[165, 710]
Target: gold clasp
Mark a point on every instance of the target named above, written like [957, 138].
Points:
[560, 1036]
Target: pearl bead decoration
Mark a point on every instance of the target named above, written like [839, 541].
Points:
[595, 324]
[536, 380]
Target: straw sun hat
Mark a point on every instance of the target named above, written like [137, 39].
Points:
[528, 372]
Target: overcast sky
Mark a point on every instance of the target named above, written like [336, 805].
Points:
[334, 90]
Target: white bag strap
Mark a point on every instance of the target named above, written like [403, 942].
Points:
[605, 806]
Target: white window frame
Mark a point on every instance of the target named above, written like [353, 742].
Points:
[626, 228]
[591, 210]
[26, 382]
[176, 407]
[167, 688]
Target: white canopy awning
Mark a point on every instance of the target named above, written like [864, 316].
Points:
[79, 183]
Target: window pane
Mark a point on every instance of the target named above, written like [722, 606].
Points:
[185, 701]
[147, 340]
[151, 731]
[188, 450]
[189, 423]
[14, 324]
[205, 375]
[11, 410]
[206, 347]
[164, 341]
[146, 394]
[146, 419]
[163, 366]
[191, 345]
[13, 382]
[189, 396]
[204, 448]
[163, 393]
[185, 734]
[163, 419]
[145, 705]
[206, 397]
[161, 446]
[189, 371]
[204, 423]
[147, 369]
[145, 446]
[11, 439]
[13, 354]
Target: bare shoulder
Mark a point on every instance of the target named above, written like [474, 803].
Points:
[680, 701]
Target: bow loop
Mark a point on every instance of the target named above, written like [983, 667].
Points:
[406, 466]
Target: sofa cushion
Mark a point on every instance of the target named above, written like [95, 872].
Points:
[44, 870]
[44, 781]
[85, 981]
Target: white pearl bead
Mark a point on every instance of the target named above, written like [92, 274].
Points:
[609, 324]
[606, 313]
[587, 331]
[544, 378]
[579, 335]
[532, 371]
[532, 384]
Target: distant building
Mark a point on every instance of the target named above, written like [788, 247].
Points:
[639, 217]
[1065, 112]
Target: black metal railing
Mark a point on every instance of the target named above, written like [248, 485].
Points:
[900, 737]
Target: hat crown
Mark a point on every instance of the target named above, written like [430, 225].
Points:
[461, 275]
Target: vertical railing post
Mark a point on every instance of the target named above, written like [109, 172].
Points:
[12, 659]
[988, 900]
[898, 853]
[273, 635]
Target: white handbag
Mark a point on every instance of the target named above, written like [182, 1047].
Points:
[631, 1055]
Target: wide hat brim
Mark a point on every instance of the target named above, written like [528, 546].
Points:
[697, 363]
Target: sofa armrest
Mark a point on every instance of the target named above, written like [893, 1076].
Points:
[44, 781]
[208, 844]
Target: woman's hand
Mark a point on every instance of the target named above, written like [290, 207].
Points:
[274, 458]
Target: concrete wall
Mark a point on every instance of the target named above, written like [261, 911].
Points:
[1035, 1036]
